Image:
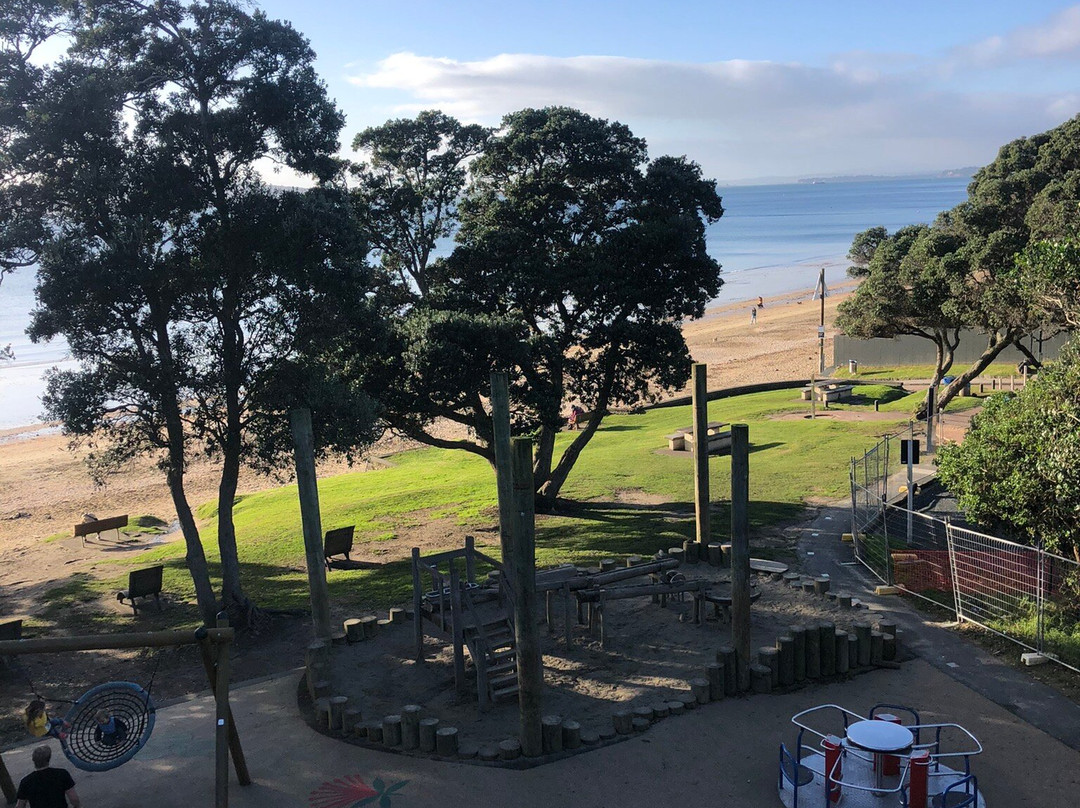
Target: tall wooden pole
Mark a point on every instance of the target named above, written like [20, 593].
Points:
[523, 571]
[221, 735]
[304, 443]
[821, 325]
[504, 476]
[236, 750]
[740, 550]
[701, 454]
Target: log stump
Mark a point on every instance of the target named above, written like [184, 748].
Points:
[678, 554]
[690, 551]
[760, 678]
[488, 754]
[338, 705]
[888, 647]
[467, 751]
[827, 641]
[371, 626]
[353, 720]
[590, 737]
[700, 689]
[770, 658]
[383, 623]
[843, 663]
[813, 651]
[391, 730]
[608, 564]
[644, 712]
[727, 657]
[410, 726]
[660, 710]
[792, 579]
[862, 632]
[322, 689]
[571, 734]
[428, 728]
[725, 554]
[716, 555]
[798, 634]
[887, 628]
[397, 615]
[640, 724]
[808, 586]
[322, 712]
[623, 721]
[844, 599]
[785, 646]
[714, 672]
[688, 699]
[339, 637]
[676, 707]
[876, 648]
[446, 742]
[354, 630]
[510, 749]
[633, 561]
[551, 729]
[374, 731]
[821, 585]
[853, 650]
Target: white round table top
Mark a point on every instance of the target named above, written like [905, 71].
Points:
[880, 736]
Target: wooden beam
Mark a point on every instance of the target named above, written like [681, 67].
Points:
[701, 453]
[740, 550]
[221, 734]
[108, 642]
[522, 568]
[236, 750]
[308, 488]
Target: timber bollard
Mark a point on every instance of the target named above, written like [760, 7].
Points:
[397, 615]
[690, 551]
[862, 632]
[770, 658]
[727, 657]
[446, 742]
[888, 629]
[354, 630]
[374, 732]
[428, 728]
[700, 689]
[371, 626]
[410, 726]
[876, 648]
[821, 585]
[853, 650]
[623, 721]
[551, 731]
[844, 599]
[510, 749]
[352, 721]
[785, 646]
[714, 672]
[571, 734]
[798, 633]
[760, 678]
[391, 730]
[813, 651]
[827, 642]
[715, 554]
[338, 704]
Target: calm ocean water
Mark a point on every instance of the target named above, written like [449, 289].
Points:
[772, 240]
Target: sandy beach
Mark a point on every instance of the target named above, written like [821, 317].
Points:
[47, 489]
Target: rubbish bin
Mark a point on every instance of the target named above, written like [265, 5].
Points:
[853, 366]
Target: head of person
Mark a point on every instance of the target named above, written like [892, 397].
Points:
[35, 709]
[41, 757]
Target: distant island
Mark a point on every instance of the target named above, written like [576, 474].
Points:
[967, 171]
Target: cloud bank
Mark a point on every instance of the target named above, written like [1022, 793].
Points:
[743, 119]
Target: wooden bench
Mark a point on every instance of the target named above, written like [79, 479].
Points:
[11, 628]
[98, 526]
[142, 583]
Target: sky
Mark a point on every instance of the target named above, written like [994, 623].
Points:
[767, 89]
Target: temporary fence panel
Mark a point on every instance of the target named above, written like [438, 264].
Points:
[919, 555]
[1061, 610]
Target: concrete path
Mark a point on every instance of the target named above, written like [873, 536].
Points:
[723, 754]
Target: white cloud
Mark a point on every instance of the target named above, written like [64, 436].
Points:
[739, 118]
[1056, 38]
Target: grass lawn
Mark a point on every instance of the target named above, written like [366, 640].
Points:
[791, 460]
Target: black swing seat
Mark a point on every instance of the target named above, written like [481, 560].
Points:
[142, 583]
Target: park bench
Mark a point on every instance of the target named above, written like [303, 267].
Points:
[339, 542]
[142, 583]
[683, 439]
[98, 526]
[11, 628]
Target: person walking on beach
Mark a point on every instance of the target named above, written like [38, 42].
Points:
[760, 302]
[753, 315]
[46, 787]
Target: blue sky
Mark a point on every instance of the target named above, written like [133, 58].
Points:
[747, 89]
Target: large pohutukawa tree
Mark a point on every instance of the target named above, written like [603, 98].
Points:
[199, 313]
[576, 261]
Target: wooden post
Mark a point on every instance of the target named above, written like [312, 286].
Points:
[504, 480]
[221, 698]
[457, 627]
[418, 606]
[740, 550]
[701, 453]
[239, 763]
[308, 487]
[523, 571]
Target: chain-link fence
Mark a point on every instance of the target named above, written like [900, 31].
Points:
[1023, 593]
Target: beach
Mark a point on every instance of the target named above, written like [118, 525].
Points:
[47, 488]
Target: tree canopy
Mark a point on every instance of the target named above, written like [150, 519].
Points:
[575, 261]
[1029, 193]
[1018, 468]
[200, 303]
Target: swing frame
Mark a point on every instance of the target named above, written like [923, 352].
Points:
[214, 645]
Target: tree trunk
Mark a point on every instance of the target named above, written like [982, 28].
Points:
[1032, 360]
[995, 344]
[548, 492]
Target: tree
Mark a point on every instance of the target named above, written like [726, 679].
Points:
[1027, 194]
[1018, 468]
[576, 261]
[144, 150]
[911, 281]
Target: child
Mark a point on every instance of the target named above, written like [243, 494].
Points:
[39, 724]
[109, 730]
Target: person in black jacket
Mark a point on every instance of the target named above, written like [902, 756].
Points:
[46, 787]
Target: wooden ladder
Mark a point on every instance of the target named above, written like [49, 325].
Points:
[493, 650]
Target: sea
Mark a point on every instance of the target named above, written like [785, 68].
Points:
[772, 240]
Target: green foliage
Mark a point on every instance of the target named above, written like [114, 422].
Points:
[1019, 465]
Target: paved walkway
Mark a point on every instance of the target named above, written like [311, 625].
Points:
[723, 754]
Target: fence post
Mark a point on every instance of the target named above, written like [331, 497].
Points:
[950, 544]
[910, 479]
[1040, 598]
